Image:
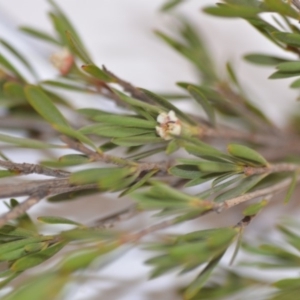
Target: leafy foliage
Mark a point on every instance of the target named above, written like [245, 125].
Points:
[117, 153]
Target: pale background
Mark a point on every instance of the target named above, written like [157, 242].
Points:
[119, 34]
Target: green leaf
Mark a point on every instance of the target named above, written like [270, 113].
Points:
[232, 11]
[255, 208]
[24, 221]
[168, 106]
[216, 167]
[291, 188]
[39, 35]
[7, 65]
[97, 73]
[282, 8]
[287, 283]
[65, 23]
[19, 56]
[66, 161]
[46, 286]
[201, 279]
[75, 134]
[18, 232]
[26, 143]
[69, 196]
[95, 175]
[201, 99]
[84, 258]
[205, 151]
[77, 49]
[185, 171]
[172, 147]
[14, 245]
[44, 106]
[247, 154]
[171, 4]
[280, 74]
[57, 220]
[264, 59]
[120, 120]
[144, 154]
[139, 183]
[7, 173]
[137, 103]
[137, 140]
[14, 90]
[295, 84]
[243, 187]
[292, 66]
[291, 39]
[66, 86]
[34, 259]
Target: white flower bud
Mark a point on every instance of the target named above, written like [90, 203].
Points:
[169, 125]
[62, 60]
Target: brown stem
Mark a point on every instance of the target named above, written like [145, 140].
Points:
[23, 207]
[275, 168]
[116, 217]
[26, 168]
[162, 167]
[259, 193]
[54, 187]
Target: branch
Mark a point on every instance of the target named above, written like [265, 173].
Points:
[26, 168]
[274, 168]
[259, 193]
[54, 187]
[116, 217]
[23, 207]
[162, 167]
[128, 87]
[296, 3]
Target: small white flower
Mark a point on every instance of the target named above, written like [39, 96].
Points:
[169, 125]
[62, 60]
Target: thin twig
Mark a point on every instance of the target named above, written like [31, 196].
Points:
[162, 167]
[54, 187]
[237, 103]
[128, 87]
[26, 168]
[116, 217]
[296, 3]
[23, 207]
[259, 193]
[274, 168]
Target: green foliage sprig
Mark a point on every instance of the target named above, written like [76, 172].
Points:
[113, 154]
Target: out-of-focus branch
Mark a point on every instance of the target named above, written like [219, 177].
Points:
[162, 167]
[238, 104]
[11, 122]
[274, 189]
[53, 186]
[128, 87]
[116, 217]
[26, 168]
[296, 3]
[274, 168]
[23, 207]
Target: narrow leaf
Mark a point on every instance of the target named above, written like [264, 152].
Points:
[97, 73]
[44, 106]
[77, 49]
[201, 99]
[57, 220]
[247, 154]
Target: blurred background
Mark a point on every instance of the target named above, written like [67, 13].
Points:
[119, 34]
